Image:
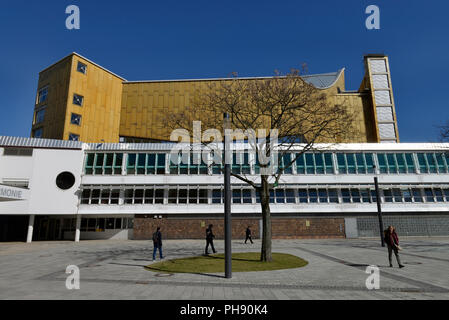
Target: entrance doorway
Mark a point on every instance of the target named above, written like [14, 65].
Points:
[46, 228]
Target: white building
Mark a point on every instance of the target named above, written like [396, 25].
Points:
[54, 189]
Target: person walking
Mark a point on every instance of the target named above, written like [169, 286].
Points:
[157, 243]
[210, 239]
[392, 241]
[248, 235]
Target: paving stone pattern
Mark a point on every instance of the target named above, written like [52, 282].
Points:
[115, 270]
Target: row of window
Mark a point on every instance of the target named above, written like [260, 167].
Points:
[42, 94]
[39, 116]
[38, 133]
[98, 224]
[245, 195]
[308, 163]
[75, 119]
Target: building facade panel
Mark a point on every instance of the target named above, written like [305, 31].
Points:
[115, 195]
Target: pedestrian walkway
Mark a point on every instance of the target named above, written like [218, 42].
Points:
[115, 270]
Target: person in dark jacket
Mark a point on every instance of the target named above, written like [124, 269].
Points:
[157, 243]
[210, 239]
[248, 235]
[392, 241]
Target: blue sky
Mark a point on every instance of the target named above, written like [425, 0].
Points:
[145, 40]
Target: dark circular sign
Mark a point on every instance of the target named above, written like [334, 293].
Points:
[65, 180]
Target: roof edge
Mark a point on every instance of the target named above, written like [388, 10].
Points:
[338, 75]
[82, 57]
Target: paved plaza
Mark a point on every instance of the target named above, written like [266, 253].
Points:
[115, 270]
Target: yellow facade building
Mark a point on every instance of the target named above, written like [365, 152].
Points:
[80, 100]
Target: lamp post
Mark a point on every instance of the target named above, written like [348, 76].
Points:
[379, 208]
[227, 198]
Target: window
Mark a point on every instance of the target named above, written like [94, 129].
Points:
[310, 163]
[446, 194]
[81, 67]
[39, 115]
[329, 163]
[149, 196]
[333, 195]
[355, 194]
[241, 196]
[286, 160]
[115, 195]
[280, 195]
[322, 193]
[427, 162]
[365, 194]
[173, 195]
[74, 137]
[131, 165]
[382, 160]
[65, 180]
[350, 161]
[431, 161]
[410, 163]
[138, 196]
[300, 164]
[397, 195]
[407, 195]
[159, 196]
[144, 163]
[78, 100]
[429, 195]
[290, 195]
[217, 196]
[388, 195]
[442, 166]
[129, 195]
[319, 164]
[38, 133]
[240, 163]
[42, 95]
[203, 198]
[355, 163]
[417, 196]
[105, 195]
[313, 195]
[314, 163]
[85, 196]
[103, 163]
[75, 119]
[22, 152]
[438, 194]
[193, 195]
[95, 196]
[182, 196]
[396, 163]
[302, 194]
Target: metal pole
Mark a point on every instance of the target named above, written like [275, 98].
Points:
[227, 199]
[379, 212]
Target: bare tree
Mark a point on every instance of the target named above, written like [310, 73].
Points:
[302, 114]
[444, 132]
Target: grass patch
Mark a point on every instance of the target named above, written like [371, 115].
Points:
[241, 262]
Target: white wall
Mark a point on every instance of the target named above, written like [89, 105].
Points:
[46, 198]
[15, 167]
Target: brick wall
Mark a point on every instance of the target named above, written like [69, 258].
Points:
[308, 228]
[191, 228]
[195, 228]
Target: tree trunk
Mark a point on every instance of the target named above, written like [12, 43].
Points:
[266, 221]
